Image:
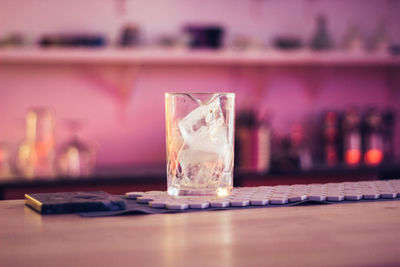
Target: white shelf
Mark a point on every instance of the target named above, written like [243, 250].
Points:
[151, 56]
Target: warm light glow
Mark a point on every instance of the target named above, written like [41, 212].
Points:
[73, 161]
[353, 156]
[42, 149]
[222, 192]
[173, 191]
[26, 158]
[373, 156]
[24, 152]
[31, 119]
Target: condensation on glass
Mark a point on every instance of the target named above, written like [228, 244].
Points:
[200, 143]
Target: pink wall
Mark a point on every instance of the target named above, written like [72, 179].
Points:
[137, 136]
[260, 19]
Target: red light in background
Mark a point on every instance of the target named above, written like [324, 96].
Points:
[373, 156]
[331, 155]
[353, 156]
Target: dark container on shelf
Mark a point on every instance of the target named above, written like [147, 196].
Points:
[204, 36]
[331, 139]
[130, 36]
[321, 39]
[72, 40]
[389, 121]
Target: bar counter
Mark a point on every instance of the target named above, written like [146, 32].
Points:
[355, 234]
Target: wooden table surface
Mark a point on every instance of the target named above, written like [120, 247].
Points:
[359, 234]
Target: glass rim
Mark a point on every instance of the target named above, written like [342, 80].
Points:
[200, 93]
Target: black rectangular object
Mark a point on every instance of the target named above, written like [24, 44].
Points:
[72, 202]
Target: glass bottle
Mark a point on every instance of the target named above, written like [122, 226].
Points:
[352, 137]
[76, 158]
[36, 153]
[373, 138]
[5, 171]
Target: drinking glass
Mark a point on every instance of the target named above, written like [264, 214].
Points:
[200, 143]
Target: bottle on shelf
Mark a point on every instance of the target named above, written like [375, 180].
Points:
[373, 138]
[389, 119]
[36, 153]
[130, 36]
[76, 157]
[331, 139]
[352, 137]
[5, 170]
[353, 41]
[300, 148]
[321, 39]
[252, 143]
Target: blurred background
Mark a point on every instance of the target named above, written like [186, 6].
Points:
[82, 86]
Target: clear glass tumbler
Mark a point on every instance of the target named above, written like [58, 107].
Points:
[200, 143]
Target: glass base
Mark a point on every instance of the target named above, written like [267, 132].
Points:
[220, 192]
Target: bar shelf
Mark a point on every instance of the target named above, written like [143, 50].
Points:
[224, 57]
